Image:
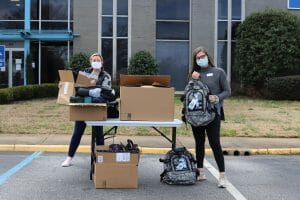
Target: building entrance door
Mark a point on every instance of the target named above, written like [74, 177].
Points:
[13, 74]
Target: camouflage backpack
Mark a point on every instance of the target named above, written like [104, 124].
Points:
[179, 167]
[197, 109]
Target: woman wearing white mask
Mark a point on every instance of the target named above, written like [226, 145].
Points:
[215, 78]
[103, 79]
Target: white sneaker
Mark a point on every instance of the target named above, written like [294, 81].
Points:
[201, 176]
[222, 181]
[67, 162]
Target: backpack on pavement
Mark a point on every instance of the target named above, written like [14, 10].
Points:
[197, 110]
[179, 167]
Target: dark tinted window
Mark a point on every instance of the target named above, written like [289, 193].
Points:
[122, 7]
[11, 10]
[107, 26]
[54, 9]
[172, 30]
[236, 9]
[172, 9]
[222, 9]
[122, 26]
[107, 7]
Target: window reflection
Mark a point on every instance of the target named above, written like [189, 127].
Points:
[12, 24]
[172, 59]
[54, 57]
[107, 26]
[234, 27]
[222, 55]
[222, 9]
[222, 30]
[172, 9]
[54, 9]
[34, 10]
[122, 56]
[236, 9]
[172, 30]
[12, 10]
[122, 26]
[107, 54]
[122, 7]
[107, 7]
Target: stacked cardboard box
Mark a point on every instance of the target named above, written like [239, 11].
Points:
[146, 98]
[115, 170]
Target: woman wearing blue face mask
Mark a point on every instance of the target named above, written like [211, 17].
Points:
[102, 78]
[215, 78]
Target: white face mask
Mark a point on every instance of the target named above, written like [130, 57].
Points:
[96, 65]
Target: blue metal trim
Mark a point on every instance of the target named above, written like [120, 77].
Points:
[23, 35]
[26, 42]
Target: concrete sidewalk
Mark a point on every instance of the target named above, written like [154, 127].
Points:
[149, 144]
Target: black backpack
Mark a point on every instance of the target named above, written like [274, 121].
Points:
[179, 167]
[197, 110]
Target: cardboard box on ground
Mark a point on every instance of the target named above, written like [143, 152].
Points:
[78, 111]
[115, 170]
[146, 98]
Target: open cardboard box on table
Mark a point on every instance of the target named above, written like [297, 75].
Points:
[115, 170]
[146, 98]
[79, 111]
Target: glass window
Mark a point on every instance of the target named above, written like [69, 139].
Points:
[55, 10]
[107, 53]
[34, 25]
[122, 56]
[236, 9]
[12, 10]
[222, 55]
[122, 26]
[234, 26]
[222, 30]
[107, 26]
[122, 7]
[53, 57]
[222, 9]
[173, 9]
[12, 24]
[172, 30]
[107, 7]
[54, 25]
[172, 59]
[34, 9]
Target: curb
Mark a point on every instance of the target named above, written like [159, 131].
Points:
[150, 150]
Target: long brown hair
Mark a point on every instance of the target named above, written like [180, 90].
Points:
[194, 63]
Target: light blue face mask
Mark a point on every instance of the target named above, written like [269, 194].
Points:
[202, 62]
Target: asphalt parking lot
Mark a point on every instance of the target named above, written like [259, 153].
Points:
[38, 175]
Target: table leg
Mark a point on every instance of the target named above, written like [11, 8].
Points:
[92, 153]
[173, 137]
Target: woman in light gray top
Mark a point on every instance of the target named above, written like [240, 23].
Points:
[215, 78]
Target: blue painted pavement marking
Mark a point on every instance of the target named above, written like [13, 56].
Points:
[19, 166]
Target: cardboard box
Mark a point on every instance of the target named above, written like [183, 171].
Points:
[67, 89]
[88, 112]
[146, 98]
[115, 170]
[112, 175]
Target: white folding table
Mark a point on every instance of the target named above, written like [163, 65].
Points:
[114, 123]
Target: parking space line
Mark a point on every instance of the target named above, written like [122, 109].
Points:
[230, 188]
[19, 166]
